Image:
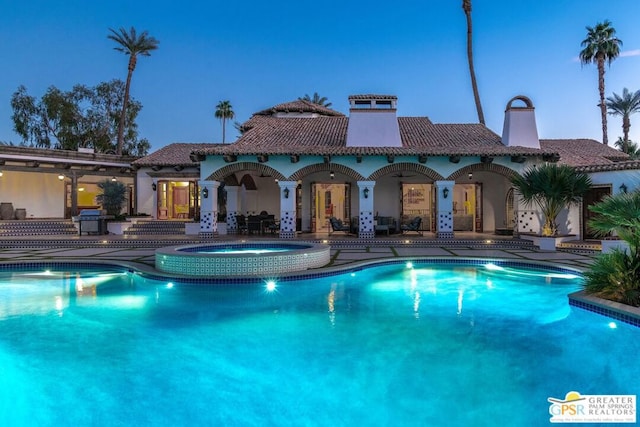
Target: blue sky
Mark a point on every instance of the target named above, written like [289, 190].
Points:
[257, 54]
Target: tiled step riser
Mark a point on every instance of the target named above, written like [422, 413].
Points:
[37, 228]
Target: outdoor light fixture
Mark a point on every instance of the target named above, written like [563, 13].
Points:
[286, 192]
[205, 193]
[113, 179]
[0, 173]
[623, 188]
[331, 174]
[470, 175]
[60, 177]
[153, 186]
[366, 192]
[445, 192]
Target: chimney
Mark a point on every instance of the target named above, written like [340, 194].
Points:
[520, 125]
[373, 121]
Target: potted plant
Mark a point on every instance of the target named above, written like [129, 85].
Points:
[112, 199]
[552, 188]
[615, 275]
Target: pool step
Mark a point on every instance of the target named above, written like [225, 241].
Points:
[34, 227]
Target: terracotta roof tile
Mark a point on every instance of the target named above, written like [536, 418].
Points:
[583, 152]
[328, 135]
[299, 106]
[177, 154]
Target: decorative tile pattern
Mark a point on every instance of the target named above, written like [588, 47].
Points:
[366, 229]
[527, 220]
[232, 223]
[445, 221]
[186, 261]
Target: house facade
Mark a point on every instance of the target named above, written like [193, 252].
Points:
[304, 164]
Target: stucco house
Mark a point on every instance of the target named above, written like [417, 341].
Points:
[373, 170]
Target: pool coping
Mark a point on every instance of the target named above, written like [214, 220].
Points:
[615, 310]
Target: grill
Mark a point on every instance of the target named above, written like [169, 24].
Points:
[92, 221]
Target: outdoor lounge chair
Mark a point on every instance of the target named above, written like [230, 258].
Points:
[414, 225]
[337, 225]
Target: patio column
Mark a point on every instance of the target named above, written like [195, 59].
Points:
[287, 209]
[232, 209]
[366, 228]
[444, 206]
[208, 208]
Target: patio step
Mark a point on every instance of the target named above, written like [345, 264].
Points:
[157, 228]
[35, 227]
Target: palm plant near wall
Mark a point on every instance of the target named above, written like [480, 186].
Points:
[616, 275]
[552, 188]
[112, 197]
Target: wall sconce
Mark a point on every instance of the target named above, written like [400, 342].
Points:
[153, 186]
[445, 192]
[113, 179]
[623, 188]
[332, 175]
[60, 177]
[205, 193]
[366, 192]
[0, 173]
[286, 192]
[470, 175]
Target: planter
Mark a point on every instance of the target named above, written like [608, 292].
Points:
[6, 211]
[21, 214]
[546, 243]
[137, 219]
[610, 245]
[191, 228]
[118, 227]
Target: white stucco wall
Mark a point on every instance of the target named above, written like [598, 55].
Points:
[41, 194]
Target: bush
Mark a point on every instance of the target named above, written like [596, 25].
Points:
[615, 276]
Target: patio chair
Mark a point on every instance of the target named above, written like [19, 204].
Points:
[414, 225]
[337, 225]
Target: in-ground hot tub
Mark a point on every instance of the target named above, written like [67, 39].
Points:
[267, 259]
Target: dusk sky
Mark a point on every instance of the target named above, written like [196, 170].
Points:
[257, 54]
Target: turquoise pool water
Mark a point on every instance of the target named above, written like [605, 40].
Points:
[385, 346]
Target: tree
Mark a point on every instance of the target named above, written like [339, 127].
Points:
[466, 6]
[82, 117]
[601, 45]
[624, 106]
[551, 187]
[112, 196]
[317, 99]
[132, 44]
[224, 112]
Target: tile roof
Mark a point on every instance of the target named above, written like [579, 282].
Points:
[177, 154]
[299, 106]
[583, 152]
[327, 135]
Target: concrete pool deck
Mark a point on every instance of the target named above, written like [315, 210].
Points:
[140, 251]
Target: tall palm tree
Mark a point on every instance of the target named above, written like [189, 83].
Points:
[552, 187]
[224, 111]
[624, 106]
[466, 6]
[601, 45]
[132, 44]
[317, 99]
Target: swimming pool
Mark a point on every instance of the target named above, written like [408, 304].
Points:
[430, 344]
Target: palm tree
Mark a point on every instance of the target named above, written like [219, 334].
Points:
[552, 187]
[224, 111]
[317, 99]
[601, 45]
[624, 106]
[629, 147]
[132, 44]
[466, 6]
